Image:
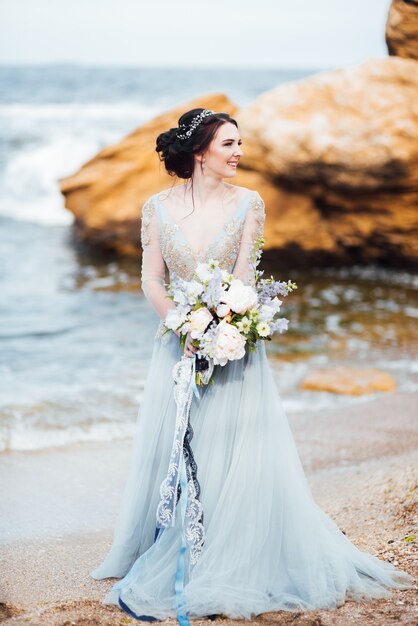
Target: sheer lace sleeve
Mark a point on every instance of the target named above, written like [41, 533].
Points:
[253, 230]
[153, 266]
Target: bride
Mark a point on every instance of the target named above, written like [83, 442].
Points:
[268, 546]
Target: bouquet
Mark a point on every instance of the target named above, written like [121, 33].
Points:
[224, 315]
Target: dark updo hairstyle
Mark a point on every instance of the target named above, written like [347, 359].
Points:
[178, 154]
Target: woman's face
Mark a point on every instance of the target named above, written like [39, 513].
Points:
[224, 152]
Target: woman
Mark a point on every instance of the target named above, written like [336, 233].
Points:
[267, 545]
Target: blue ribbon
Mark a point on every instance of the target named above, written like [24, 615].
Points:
[180, 570]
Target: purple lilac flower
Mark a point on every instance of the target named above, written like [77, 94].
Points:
[279, 325]
[268, 288]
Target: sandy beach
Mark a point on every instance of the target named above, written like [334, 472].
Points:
[361, 464]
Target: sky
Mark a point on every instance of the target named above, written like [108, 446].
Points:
[215, 33]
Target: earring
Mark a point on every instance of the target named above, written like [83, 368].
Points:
[203, 165]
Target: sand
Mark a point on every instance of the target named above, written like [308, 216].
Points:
[361, 462]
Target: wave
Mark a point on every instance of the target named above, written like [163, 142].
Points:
[37, 334]
[46, 142]
[24, 438]
[29, 184]
[47, 428]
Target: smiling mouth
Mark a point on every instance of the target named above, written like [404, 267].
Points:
[233, 164]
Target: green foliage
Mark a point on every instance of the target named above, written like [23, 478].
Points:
[198, 304]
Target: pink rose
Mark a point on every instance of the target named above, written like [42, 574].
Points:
[229, 344]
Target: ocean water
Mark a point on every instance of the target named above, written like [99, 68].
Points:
[74, 333]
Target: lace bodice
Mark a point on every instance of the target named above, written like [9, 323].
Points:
[164, 245]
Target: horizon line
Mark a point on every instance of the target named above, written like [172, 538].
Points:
[95, 64]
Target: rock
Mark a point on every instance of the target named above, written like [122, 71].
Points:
[348, 380]
[335, 157]
[342, 148]
[402, 29]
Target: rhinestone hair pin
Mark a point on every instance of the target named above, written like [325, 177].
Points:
[194, 124]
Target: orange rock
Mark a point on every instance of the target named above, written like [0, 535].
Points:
[348, 380]
[335, 157]
[342, 147]
[402, 29]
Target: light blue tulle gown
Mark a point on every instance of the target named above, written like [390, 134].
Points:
[268, 546]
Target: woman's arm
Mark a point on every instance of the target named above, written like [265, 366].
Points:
[253, 230]
[153, 266]
[153, 269]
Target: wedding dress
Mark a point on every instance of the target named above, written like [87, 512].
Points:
[268, 546]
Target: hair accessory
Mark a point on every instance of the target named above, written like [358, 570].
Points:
[194, 123]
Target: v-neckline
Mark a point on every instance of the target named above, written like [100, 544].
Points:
[202, 252]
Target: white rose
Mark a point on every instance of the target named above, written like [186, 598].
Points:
[222, 310]
[199, 321]
[180, 296]
[193, 290]
[229, 344]
[240, 297]
[175, 318]
[266, 313]
[203, 272]
[226, 276]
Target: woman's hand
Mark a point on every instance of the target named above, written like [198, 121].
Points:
[189, 349]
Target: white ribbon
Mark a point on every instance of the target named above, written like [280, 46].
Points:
[184, 378]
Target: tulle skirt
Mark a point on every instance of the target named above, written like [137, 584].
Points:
[268, 546]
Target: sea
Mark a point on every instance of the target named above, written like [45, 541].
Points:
[75, 329]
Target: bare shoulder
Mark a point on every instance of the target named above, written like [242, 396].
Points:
[238, 190]
[170, 191]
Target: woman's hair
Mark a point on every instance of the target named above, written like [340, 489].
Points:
[178, 154]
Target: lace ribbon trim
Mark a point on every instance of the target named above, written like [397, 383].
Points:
[170, 490]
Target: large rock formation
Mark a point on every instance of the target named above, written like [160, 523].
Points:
[402, 29]
[335, 156]
[347, 142]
